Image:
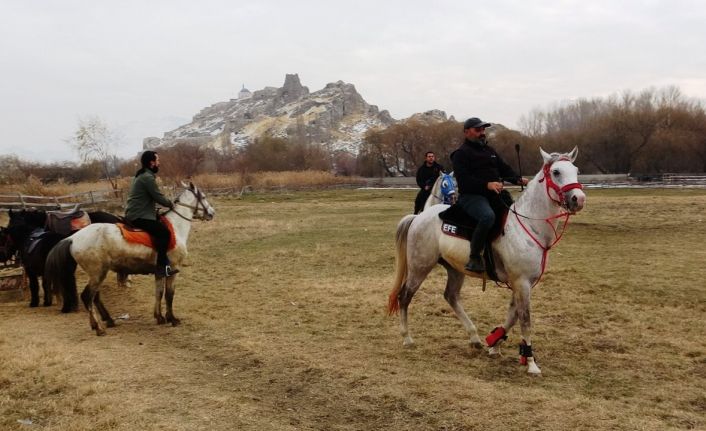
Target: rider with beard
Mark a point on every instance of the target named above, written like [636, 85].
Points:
[479, 172]
[141, 212]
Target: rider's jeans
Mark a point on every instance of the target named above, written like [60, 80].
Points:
[478, 207]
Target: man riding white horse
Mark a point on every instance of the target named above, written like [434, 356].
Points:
[140, 210]
[479, 172]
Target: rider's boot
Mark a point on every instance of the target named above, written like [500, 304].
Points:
[475, 263]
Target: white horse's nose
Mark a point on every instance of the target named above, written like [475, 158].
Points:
[577, 201]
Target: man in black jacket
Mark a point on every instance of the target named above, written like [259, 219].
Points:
[480, 173]
[426, 176]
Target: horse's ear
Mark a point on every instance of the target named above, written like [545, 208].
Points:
[572, 155]
[183, 184]
[545, 156]
[191, 186]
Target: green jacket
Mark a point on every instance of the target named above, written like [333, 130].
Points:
[144, 193]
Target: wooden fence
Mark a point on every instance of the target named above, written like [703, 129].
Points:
[684, 179]
[84, 199]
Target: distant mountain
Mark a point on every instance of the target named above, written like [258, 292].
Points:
[335, 116]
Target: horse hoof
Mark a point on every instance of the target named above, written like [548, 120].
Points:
[532, 368]
[176, 322]
[33, 304]
[493, 352]
[110, 324]
[475, 342]
[100, 332]
[408, 343]
[161, 320]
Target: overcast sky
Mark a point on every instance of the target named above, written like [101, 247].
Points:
[145, 67]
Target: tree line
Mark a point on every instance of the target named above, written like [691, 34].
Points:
[649, 132]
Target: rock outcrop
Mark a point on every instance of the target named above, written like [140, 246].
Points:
[336, 116]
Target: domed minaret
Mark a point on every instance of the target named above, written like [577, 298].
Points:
[244, 93]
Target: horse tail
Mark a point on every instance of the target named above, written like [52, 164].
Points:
[393, 305]
[59, 272]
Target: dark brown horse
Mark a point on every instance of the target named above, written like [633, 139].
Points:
[28, 239]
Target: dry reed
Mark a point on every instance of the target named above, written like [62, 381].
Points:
[259, 181]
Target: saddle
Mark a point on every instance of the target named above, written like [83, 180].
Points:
[138, 236]
[456, 223]
[66, 223]
[35, 237]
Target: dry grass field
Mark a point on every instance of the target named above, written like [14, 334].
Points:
[283, 328]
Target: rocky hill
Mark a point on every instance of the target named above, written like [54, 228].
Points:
[335, 116]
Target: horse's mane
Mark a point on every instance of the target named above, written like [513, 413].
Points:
[556, 157]
[32, 215]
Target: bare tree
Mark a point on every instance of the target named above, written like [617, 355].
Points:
[95, 142]
[183, 160]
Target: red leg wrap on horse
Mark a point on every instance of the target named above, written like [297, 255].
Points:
[495, 336]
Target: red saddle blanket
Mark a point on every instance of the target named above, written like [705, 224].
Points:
[139, 236]
[66, 223]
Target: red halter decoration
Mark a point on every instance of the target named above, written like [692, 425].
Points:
[550, 184]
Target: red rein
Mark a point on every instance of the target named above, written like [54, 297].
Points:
[550, 184]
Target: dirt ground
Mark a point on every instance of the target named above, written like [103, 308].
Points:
[283, 328]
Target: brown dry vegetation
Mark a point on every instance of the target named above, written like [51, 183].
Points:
[260, 181]
[271, 180]
[284, 328]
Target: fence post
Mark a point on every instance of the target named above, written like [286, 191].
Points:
[22, 201]
[93, 201]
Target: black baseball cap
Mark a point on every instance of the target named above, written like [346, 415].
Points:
[475, 122]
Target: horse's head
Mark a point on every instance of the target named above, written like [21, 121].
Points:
[560, 176]
[21, 224]
[447, 188]
[194, 198]
[32, 217]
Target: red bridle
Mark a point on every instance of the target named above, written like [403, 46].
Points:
[550, 184]
[547, 170]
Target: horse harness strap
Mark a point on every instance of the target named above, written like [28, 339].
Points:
[443, 198]
[194, 208]
[550, 184]
[545, 248]
[187, 206]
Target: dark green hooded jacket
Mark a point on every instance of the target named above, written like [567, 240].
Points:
[144, 193]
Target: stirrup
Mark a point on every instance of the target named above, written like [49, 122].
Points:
[165, 271]
[475, 264]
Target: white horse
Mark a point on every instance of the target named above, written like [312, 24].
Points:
[520, 254]
[443, 191]
[100, 247]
